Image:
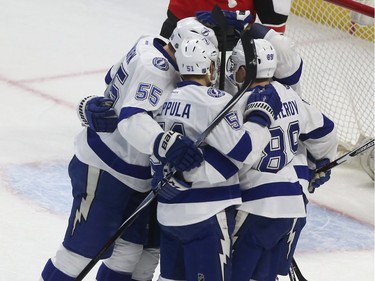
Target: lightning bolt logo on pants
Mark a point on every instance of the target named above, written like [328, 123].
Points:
[84, 208]
[225, 242]
[292, 234]
[240, 220]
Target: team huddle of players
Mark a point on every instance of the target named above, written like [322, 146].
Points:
[235, 205]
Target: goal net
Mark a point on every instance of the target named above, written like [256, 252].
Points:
[338, 74]
[336, 42]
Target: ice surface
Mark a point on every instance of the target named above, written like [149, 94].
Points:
[52, 54]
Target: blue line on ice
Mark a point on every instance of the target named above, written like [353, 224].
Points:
[48, 185]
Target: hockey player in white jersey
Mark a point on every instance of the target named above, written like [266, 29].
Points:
[197, 216]
[110, 171]
[272, 215]
[289, 62]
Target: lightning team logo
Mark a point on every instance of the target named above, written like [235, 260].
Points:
[225, 241]
[240, 219]
[292, 234]
[82, 211]
[215, 93]
[161, 63]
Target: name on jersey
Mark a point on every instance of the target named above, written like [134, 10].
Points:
[131, 54]
[288, 108]
[174, 108]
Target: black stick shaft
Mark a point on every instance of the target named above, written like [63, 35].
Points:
[221, 21]
[297, 271]
[147, 201]
[250, 55]
[347, 156]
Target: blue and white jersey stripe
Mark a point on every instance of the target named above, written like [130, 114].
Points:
[274, 185]
[139, 83]
[215, 184]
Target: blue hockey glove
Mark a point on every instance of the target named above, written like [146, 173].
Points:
[98, 114]
[170, 188]
[177, 150]
[317, 179]
[238, 19]
[263, 105]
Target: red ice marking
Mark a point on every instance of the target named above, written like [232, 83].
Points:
[61, 76]
[39, 93]
[21, 85]
[345, 214]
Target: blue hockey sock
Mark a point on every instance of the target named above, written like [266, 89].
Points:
[51, 273]
[106, 274]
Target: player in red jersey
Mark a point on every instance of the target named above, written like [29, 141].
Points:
[272, 13]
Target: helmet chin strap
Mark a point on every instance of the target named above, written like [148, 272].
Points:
[214, 80]
[233, 79]
[239, 85]
[213, 73]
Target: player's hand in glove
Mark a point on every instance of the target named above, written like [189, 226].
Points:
[317, 179]
[263, 105]
[238, 19]
[170, 186]
[98, 114]
[177, 150]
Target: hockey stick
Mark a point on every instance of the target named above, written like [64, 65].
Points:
[221, 21]
[292, 274]
[296, 271]
[250, 57]
[294, 268]
[251, 70]
[345, 158]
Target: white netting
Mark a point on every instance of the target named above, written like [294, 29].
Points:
[338, 74]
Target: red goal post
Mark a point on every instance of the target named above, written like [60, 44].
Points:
[336, 41]
[355, 6]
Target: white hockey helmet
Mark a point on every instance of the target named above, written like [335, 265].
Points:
[196, 55]
[191, 27]
[266, 60]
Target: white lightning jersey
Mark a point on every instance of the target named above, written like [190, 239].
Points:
[289, 62]
[273, 186]
[215, 185]
[138, 84]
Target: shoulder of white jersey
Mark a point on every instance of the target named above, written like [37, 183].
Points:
[284, 90]
[149, 57]
[218, 99]
[217, 93]
[289, 62]
[215, 99]
[279, 41]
